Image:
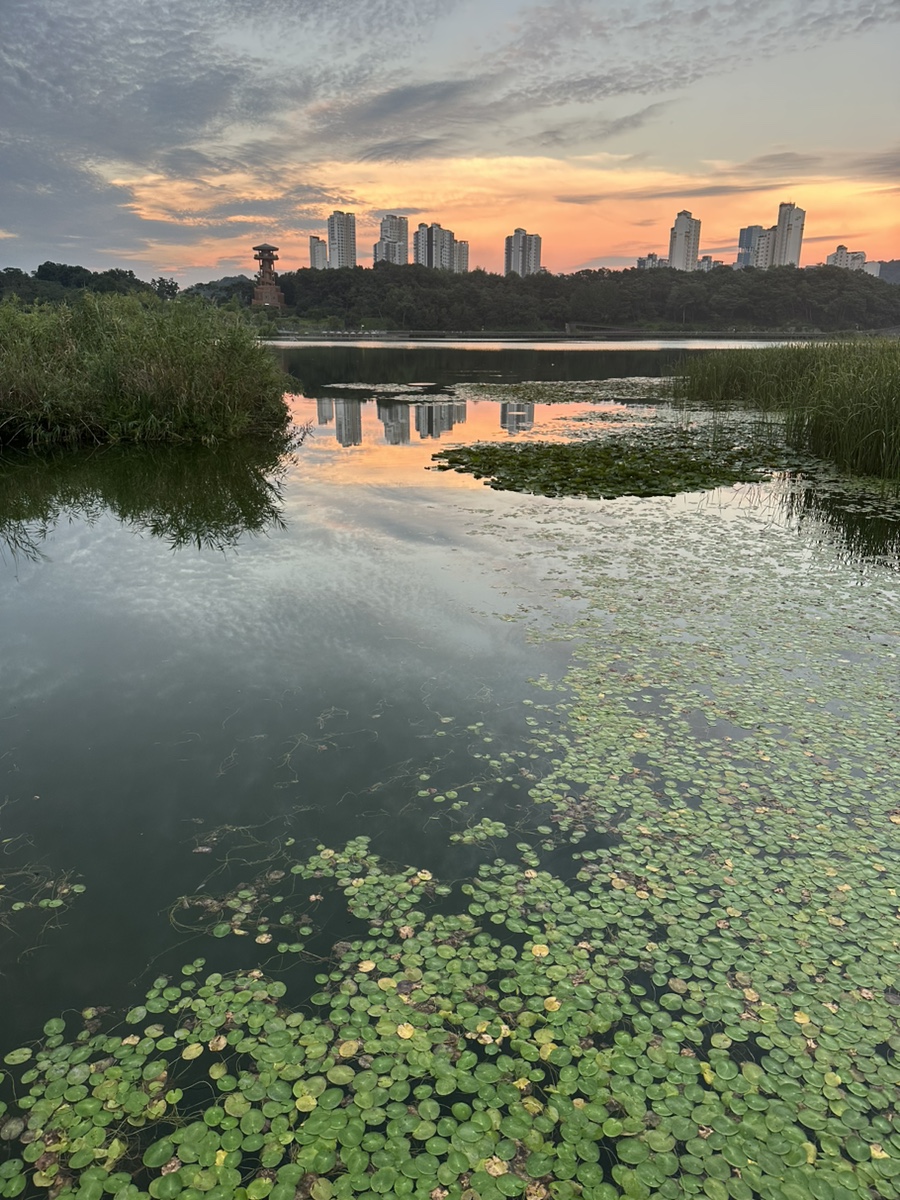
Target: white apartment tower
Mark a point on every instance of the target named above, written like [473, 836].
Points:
[393, 246]
[777, 246]
[342, 239]
[436, 247]
[523, 253]
[684, 242]
[789, 235]
[850, 260]
[318, 253]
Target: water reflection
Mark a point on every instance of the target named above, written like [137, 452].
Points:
[436, 417]
[207, 497]
[348, 422]
[394, 416]
[864, 525]
[516, 418]
[430, 419]
[316, 368]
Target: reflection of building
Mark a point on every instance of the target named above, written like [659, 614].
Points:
[348, 422]
[393, 245]
[342, 239]
[436, 417]
[325, 410]
[684, 242]
[267, 292]
[523, 253]
[516, 418]
[318, 253]
[395, 416]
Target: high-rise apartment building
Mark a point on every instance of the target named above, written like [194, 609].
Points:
[748, 240]
[393, 245]
[523, 253]
[434, 246]
[318, 253]
[651, 261]
[342, 239]
[684, 242]
[777, 246]
[850, 260]
[789, 235]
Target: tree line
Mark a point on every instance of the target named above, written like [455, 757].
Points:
[411, 297]
[54, 282]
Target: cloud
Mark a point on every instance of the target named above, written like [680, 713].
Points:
[186, 122]
[832, 237]
[782, 162]
[884, 165]
[588, 198]
[403, 149]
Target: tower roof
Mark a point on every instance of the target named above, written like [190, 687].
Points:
[265, 246]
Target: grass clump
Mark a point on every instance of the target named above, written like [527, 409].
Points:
[132, 369]
[839, 400]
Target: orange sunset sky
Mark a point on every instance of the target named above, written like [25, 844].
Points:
[170, 138]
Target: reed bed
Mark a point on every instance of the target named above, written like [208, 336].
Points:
[838, 400]
[133, 369]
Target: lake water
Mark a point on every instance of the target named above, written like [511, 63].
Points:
[207, 654]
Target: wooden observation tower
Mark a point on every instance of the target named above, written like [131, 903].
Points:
[267, 293]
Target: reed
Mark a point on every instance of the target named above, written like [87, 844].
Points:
[838, 400]
[133, 369]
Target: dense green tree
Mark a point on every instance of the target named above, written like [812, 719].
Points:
[417, 298]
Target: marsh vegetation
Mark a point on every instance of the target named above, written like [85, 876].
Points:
[839, 400]
[133, 369]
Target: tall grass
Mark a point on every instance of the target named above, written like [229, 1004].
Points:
[133, 369]
[839, 400]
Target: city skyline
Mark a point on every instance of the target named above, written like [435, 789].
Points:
[166, 139]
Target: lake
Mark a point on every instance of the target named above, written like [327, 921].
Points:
[627, 770]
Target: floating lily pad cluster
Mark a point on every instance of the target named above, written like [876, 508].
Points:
[573, 391]
[658, 461]
[32, 889]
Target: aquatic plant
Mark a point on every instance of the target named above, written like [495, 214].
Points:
[133, 369]
[839, 400]
[660, 461]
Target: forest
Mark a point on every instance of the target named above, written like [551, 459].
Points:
[414, 298]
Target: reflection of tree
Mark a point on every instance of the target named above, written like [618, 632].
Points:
[317, 367]
[865, 525]
[208, 497]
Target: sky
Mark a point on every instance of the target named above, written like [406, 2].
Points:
[170, 136]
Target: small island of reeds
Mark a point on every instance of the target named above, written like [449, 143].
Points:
[838, 400]
[133, 369]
